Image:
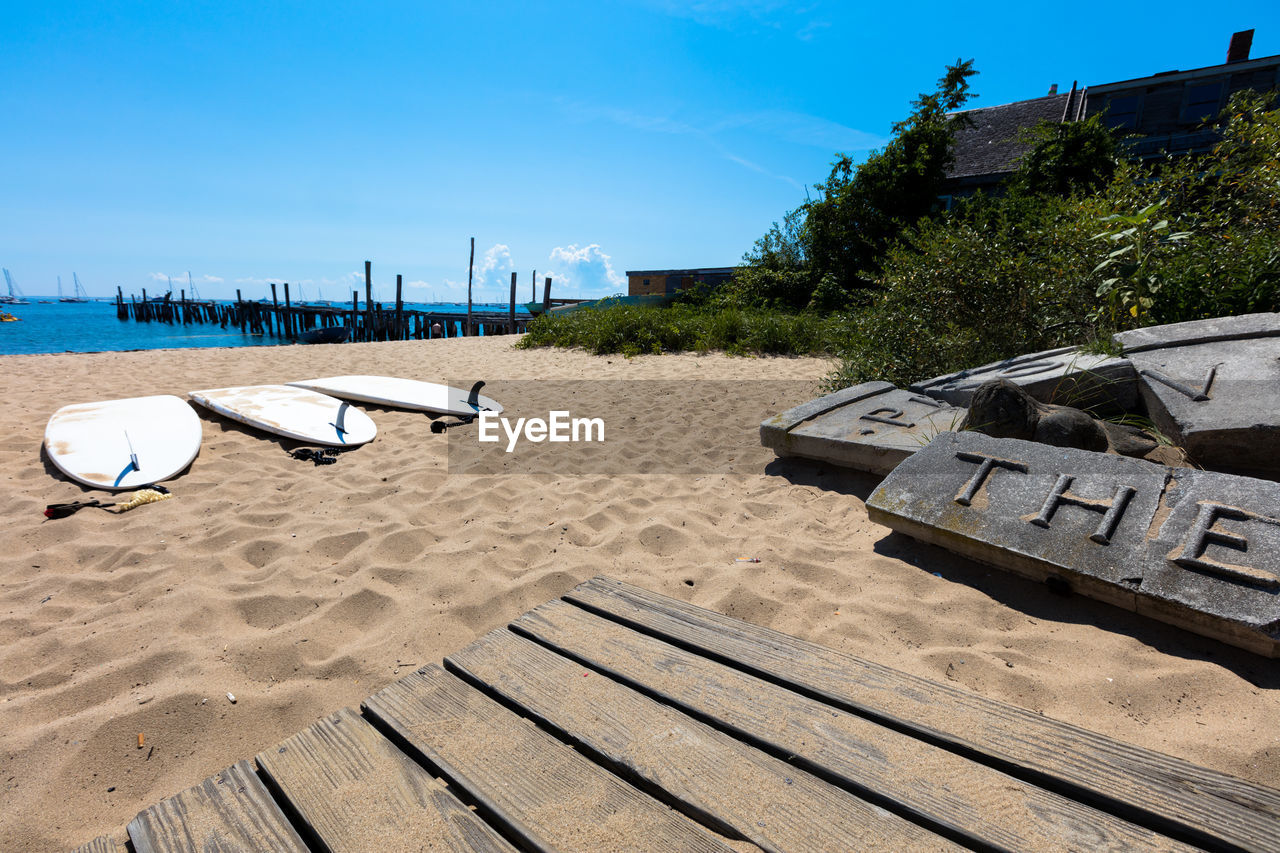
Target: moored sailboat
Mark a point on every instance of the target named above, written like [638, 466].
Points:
[15, 296]
[78, 296]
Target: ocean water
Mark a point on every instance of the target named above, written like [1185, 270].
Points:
[93, 327]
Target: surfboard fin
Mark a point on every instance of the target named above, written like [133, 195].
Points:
[473, 397]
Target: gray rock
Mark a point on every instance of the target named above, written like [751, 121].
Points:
[1219, 401]
[1199, 332]
[1120, 530]
[871, 427]
[1065, 376]
[1001, 409]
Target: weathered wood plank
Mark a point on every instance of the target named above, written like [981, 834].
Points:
[1160, 791]
[102, 844]
[230, 812]
[350, 785]
[984, 807]
[732, 787]
[545, 793]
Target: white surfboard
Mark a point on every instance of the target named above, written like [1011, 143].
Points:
[291, 412]
[123, 444]
[403, 394]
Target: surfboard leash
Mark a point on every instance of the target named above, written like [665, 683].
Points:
[320, 456]
[440, 426]
[66, 509]
[146, 495]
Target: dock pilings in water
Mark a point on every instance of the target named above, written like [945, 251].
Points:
[367, 321]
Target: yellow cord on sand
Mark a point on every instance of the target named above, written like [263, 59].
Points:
[144, 496]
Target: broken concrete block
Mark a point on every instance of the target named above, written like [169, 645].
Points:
[1065, 377]
[1219, 401]
[871, 427]
[1124, 531]
[1199, 332]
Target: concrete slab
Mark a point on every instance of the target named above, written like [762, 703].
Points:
[1199, 332]
[1219, 401]
[990, 499]
[871, 427]
[1066, 377]
[1120, 530]
[1214, 564]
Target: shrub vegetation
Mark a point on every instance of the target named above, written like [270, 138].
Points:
[635, 330]
[1080, 244]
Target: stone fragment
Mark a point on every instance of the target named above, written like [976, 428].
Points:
[1197, 549]
[1199, 332]
[1219, 401]
[871, 427]
[1067, 376]
[1214, 564]
[1001, 409]
[991, 499]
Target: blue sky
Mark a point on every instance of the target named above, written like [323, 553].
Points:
[291, 141]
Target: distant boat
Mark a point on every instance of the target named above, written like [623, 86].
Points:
[167, 297]
[15, 296]
[319, 302]
[79, 296]
[325, 335]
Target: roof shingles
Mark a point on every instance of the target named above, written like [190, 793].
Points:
[990, 145]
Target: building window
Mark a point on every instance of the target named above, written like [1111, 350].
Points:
[1200, 101]
[1122, 112]
[646, 282]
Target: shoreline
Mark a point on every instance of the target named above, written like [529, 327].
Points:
[304, 589]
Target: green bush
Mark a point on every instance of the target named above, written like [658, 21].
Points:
[633, 330]
[1176, 240]
[1080, 246]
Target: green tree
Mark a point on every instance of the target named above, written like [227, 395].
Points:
[1067, 157]
[830, 248]
[862, 211]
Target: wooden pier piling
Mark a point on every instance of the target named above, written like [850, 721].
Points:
[367, 322]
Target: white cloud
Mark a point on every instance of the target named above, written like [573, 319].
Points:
[726, 132]
[495, 266]
[260, 281]
[182, 277]
[491, 278]
[737, 15]
[584, 271]
[801, 129]
[724, 14]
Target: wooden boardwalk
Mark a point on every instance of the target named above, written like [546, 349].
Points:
[617, 719]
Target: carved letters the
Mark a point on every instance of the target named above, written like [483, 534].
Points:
[1112, 509]
[1202, 534]
[985, 463]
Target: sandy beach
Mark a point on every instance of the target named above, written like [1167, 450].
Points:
[303, 589]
